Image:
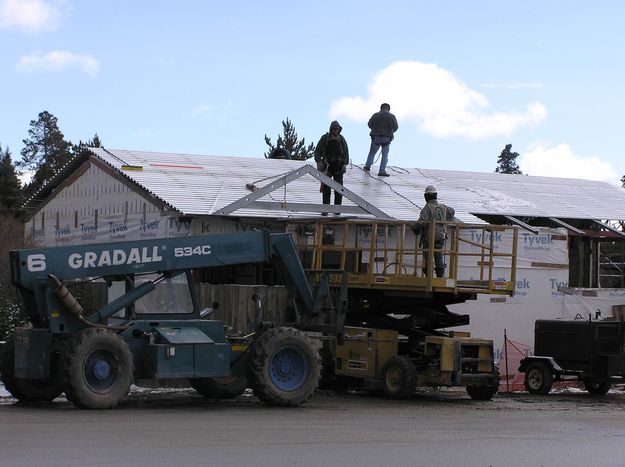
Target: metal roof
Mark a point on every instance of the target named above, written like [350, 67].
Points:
[203, 184]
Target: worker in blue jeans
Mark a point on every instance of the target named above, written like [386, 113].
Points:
[383, 126]
[441, 213]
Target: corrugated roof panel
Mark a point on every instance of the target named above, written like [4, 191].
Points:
[522, 195]
[202, 184]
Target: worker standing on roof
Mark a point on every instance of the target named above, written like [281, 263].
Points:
[433, 211]
[332, 157]
[383, 126]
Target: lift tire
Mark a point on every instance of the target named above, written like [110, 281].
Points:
[227, 387]
[597, 388]
[284, 367]
[482, 393]
[29, 390]
[329, 379]
[328, 375]
[538, 378]
[98, 369]
[399, 378]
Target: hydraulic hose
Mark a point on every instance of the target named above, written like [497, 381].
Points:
[74, 307]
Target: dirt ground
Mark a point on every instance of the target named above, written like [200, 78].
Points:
[445, 427]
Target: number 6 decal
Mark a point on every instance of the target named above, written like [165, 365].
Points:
[36, 263]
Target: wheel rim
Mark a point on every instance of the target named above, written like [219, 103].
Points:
[288, 368]
[100, 370]
[535, 378]
[393, 378]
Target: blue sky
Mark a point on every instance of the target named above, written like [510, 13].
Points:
[464, 78]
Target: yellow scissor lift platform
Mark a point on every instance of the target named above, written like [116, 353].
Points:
[396, 308]
[386, 255]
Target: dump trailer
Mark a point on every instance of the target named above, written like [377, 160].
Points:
[154, 330]
[397, 335]
[590, 351]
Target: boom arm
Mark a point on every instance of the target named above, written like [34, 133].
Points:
[144, 256]
[31, 268]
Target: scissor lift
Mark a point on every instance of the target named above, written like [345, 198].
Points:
[392, 292]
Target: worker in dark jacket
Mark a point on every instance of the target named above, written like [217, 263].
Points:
[433, 211]
[332, 157]
[383, 126]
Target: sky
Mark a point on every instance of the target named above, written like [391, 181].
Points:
[464, 78]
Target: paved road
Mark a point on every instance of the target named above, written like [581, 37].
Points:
[445, 428]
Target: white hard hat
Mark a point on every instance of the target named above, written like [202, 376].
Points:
[430, 189]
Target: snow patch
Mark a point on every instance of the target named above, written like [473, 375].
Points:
[496, 201]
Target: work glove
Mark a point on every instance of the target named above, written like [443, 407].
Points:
[322, 166]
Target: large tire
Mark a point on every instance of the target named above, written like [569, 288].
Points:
[538, 378]
[284, 367]
[98, 369]
[399, 378]
[220, 388]
[597, 388]
[29, 390]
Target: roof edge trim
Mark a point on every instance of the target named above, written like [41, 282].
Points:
[520, 223]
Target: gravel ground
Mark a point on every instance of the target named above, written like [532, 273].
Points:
[161, 427]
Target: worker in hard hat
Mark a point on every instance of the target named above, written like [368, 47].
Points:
[433, 211]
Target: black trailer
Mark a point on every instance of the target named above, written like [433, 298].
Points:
[590, 350]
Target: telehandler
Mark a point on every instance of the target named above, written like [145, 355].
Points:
[154, 329]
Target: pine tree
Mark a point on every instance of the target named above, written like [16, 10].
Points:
[507, 162]
[623, 181]
[12, 235]
[288, 145]
[45, 151]
[90, 143]
[11, 192]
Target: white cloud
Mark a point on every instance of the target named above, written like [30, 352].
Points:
[199, 110]
[58, 60]
[209, 110]
[29, 15]
[436, 102]
[559, 161]
[143, 133]
[26, 177]
[513, 85]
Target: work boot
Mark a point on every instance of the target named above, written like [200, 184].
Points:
[440, 272]
[366, 168]
[383, 174]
